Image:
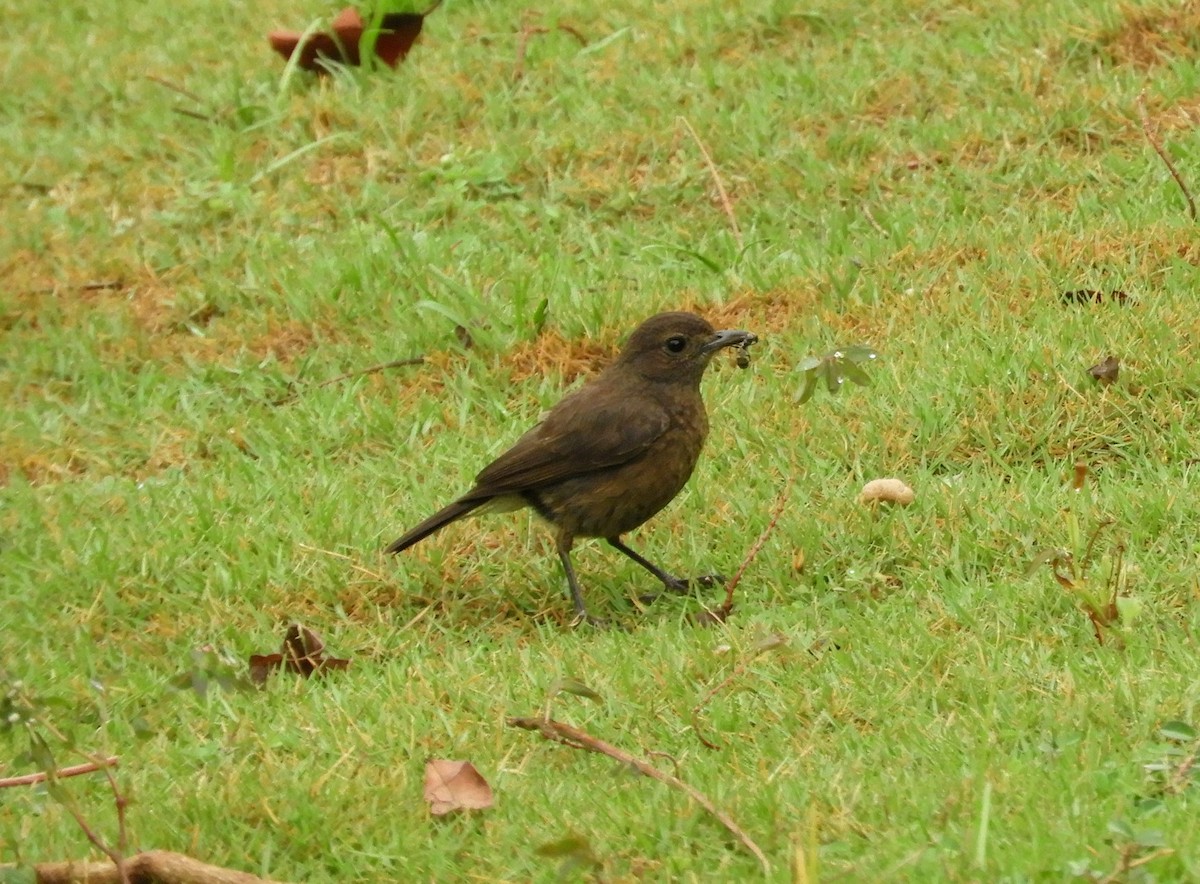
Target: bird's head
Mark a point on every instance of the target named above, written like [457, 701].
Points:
[677, 347]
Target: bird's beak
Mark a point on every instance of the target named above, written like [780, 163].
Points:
[729, 338]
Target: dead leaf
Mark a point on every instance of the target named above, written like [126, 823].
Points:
[397, 33]
[1106, 371]
[455, 785]
[303, 653]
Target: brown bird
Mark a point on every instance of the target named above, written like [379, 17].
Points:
[612, 454]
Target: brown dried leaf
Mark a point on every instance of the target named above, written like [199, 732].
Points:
[303, 649]
[455, 785]
[1106, 371]
[303, 653]
[261, 666]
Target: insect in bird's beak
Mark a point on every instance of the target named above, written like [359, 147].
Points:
[742, 350]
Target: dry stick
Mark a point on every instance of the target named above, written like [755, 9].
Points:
[522, 48]
[574, 32]
[96, 286]
[156, 865]
[781, 501]
[716, 177]
[866, 210]
[121, 802]
[100, 844]
[163, 81]
[196, 115]
[117, 854]
[1141, 106]
[1127, 864]
[73, 771]
[160, 866]
[101, 285]
[1183, 772]
[383, 366]
[773, 641]
[572, 736]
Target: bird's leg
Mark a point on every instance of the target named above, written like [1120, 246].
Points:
[671, 582]
[564, 544]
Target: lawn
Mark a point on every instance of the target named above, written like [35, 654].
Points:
[202, 251]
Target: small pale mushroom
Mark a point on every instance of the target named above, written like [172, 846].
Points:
[886, 491]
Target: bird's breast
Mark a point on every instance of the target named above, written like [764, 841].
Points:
[618, 499]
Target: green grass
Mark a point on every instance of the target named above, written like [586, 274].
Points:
[923, 178]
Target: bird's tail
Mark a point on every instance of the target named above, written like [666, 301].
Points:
[441, 518]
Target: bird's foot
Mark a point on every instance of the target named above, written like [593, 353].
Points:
[583, 618]
[684, 586]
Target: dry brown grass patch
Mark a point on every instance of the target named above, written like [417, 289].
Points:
[550, 354]
[761, 313]
[1145, 39]
[1152, 250]
[283, 340]
[1184, 115]
[43, 467]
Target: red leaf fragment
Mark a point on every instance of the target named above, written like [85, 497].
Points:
[303, 653]
[397, 33]
[455, 785]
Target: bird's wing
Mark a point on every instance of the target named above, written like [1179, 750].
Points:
[583, 433]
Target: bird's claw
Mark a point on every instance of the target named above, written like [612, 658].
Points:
[583, 618]
[684, 586]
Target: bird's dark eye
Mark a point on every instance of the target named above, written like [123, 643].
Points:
[676, 343]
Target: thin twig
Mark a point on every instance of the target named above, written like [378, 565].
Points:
[120, 802]
[99, 285]
[1127, 863]
[716, 177]
[195, 115]
[771, 642]
[720, 614]
[163, 81]
[574, 32]
[99, 843]
[383, 366]
[1158, 149]
[572, 736]
[1182, 773]
[866, 210]
[523, 47]
[73, 771]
